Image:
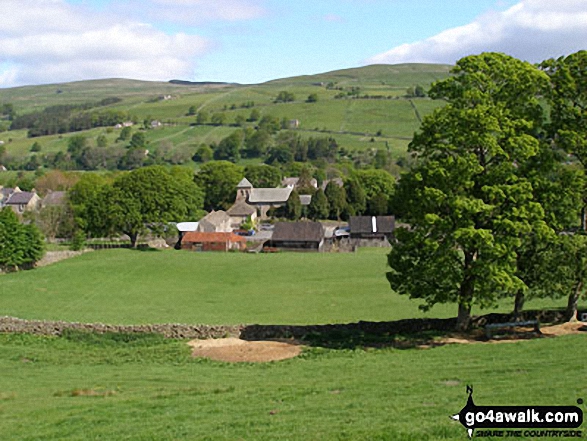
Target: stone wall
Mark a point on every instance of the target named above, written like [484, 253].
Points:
[260, 332]
[45, 327]
[55, 256]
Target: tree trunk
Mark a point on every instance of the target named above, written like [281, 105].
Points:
[584, 219]
[134, 237]
[465, 295]
[519, 303]
[571, 313]
[464, 317]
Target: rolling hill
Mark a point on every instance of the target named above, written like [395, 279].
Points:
[362, 108]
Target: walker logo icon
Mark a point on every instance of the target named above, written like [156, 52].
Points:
[509, 418]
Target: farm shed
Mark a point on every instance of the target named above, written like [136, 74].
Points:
[371, 227]
[197, 241]
[297, 236]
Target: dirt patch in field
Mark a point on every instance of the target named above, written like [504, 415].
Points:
[546, 331]
[235, 350]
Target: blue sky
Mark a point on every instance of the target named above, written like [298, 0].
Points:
[251, 41]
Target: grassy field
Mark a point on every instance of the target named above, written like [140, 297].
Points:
[85, 386]
[134, 287]
[88, 387]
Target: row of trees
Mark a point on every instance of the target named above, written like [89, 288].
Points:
[496, 187]
[69, 118]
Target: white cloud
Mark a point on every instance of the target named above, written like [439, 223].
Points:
[198, 11]
[532, 30]
[45, 41]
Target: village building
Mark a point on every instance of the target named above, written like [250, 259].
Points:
[23, 201]
[215, 222]
[262, 199]
[54, 199]
[200, 241]
[297, 236]
[371, 227]
[240, 212]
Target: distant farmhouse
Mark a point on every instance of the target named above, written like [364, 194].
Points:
[19, 201]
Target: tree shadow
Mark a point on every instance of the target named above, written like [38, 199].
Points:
[400, 334]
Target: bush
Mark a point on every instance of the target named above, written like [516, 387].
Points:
[78, 241]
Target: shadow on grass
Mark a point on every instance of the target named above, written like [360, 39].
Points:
[401, 334]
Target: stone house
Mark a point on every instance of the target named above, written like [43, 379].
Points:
[215, 222]
[240, 212]
[19, 201]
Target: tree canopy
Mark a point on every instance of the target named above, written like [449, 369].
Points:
[468, 205]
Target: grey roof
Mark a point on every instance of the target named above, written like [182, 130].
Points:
[20, 197]
[305, 199]
[5, 192]
[244, 183]
[216, 217]
[55, 198]
[241, 208]
[364, 224]
[269, 195]
[298, 232]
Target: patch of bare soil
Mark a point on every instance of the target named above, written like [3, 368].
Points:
[235, 350]
[546, 331]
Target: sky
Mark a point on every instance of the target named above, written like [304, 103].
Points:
[252, 41]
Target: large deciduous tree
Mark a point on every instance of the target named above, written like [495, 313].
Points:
[468, 206]
[144, 199]
[219, 179]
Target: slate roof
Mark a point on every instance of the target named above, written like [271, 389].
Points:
[337, 181]
[364, 224]
[298, 232]
[198, 237]
[244, 183]
[20, 197]
[269, 195]
[55, 198]
[5, 192]
[241, 208]
[216, 217]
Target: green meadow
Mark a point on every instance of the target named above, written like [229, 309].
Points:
[82, 387]
[144, 387]
[135, 287]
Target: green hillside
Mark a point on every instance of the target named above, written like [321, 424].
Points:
[363, 108]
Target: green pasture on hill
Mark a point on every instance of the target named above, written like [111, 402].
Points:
[351, 121]
[135, 287]
[89, 387]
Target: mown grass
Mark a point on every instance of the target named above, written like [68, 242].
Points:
[132, 287]
[92, 387]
